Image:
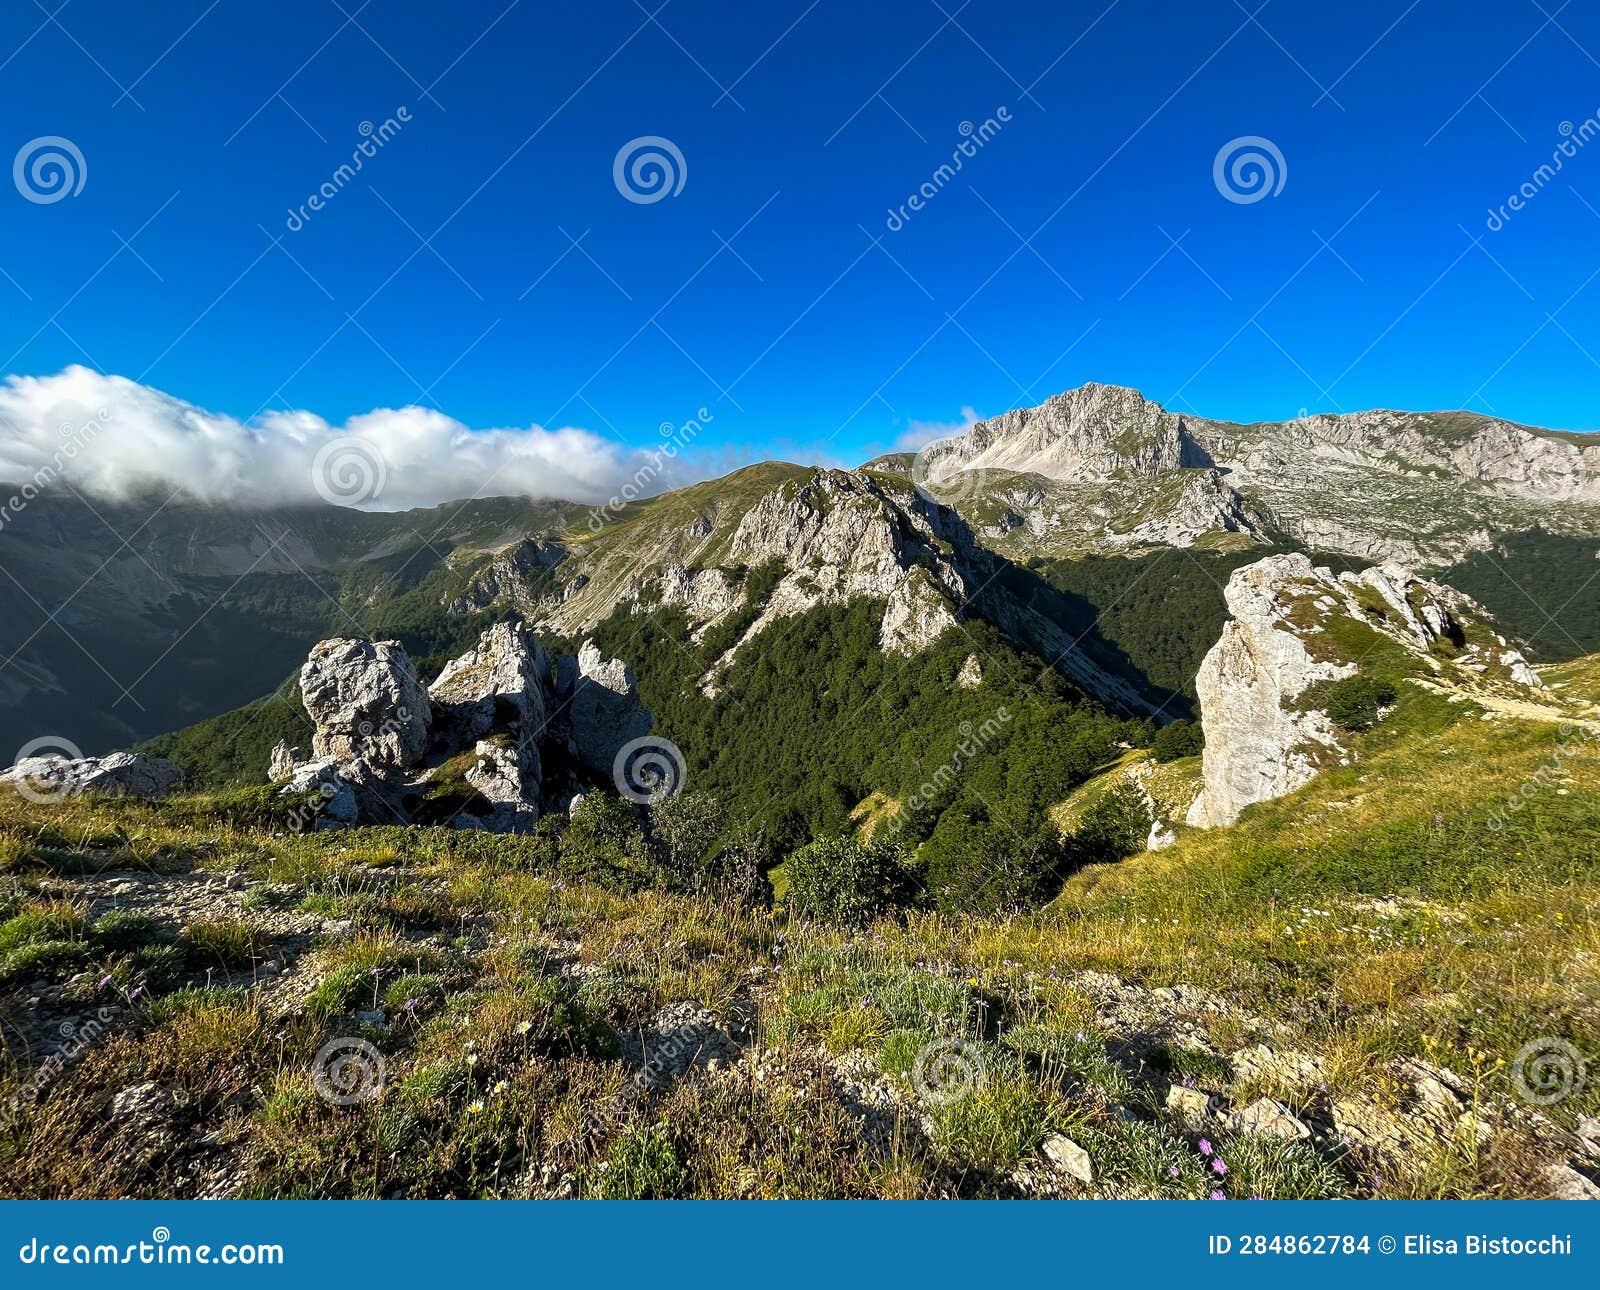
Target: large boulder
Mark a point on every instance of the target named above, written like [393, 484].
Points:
[507, 777]
[603, 711]
[366, 703]
[500, 682]
[116, 775]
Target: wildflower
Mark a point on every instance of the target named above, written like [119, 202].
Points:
[1173, 1170]
[1205, 1146]
[1217, 1195]
[523, 1027]
[472, 1059]
[104, 981]
[1217, 1167]
[501, 1087]
[476, 1105]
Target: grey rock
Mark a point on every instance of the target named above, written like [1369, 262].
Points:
[1067, 1157]
[116, 775]
[282, 760]
[604, 711]
[366, 703]
[1270, 1118]
[499, 684]
[1566, 1183]
[970, 677]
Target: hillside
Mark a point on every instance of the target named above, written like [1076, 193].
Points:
[1095, 531]
[1334, 996]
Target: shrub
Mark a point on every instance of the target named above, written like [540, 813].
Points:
[1180, 738]
[1114, 826]
[1356, 702]
[604, 844]
[841, 880]
[985, 867]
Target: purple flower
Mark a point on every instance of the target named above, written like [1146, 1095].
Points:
[1217, 1195]
[1217, 1167]
[1205, 1146]
[1173, 1170]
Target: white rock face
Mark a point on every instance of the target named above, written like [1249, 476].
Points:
[507, 778]
[116, 775]
[1261, 743]
[1256, 747]
[366, 703]
[916, 615]
[970, 677]
[502, 678]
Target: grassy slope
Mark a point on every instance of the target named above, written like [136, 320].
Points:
[1377, 913]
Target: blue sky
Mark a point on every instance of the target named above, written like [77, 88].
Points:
[769, 289]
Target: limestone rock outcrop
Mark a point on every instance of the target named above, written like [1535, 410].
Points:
[366, 703]
[1265, 735]
[119, 774]
[600, 701]
[388, 749]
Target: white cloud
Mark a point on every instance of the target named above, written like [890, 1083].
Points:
[919, 434]
[114, 438]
